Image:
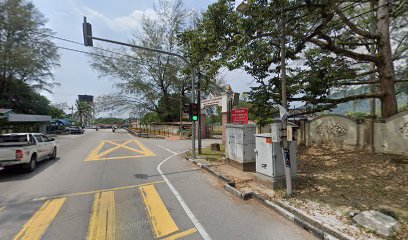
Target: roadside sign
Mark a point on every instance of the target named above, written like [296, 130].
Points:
[239, 116]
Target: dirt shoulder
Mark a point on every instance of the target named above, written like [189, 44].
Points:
[355, 180]
[334, 182]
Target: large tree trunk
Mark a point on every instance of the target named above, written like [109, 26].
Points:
[385, 65]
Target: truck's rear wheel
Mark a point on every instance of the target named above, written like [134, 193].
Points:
[29, 167]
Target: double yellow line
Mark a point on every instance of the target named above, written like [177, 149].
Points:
[102, 224]
[103, 219]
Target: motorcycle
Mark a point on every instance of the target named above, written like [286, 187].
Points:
[113, 129]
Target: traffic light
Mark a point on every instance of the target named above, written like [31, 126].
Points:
[186, 108]
[87, 31]
[194, 112]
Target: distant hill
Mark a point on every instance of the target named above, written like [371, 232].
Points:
[364, 105]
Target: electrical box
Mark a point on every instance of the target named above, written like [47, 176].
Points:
[269, 156]
[240, 142]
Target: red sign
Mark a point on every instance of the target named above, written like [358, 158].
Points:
[239, 116]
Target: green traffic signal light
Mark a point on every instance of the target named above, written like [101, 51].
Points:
[195, 118]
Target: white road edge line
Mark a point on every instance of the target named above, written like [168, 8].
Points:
[183, 204]
[190, 214]
[169, 150]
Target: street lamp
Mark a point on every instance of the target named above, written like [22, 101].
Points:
[88, 41]
[242, 6]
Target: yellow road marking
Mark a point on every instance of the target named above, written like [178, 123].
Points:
[2, 208]
[146, 151]
[93, 153]
[163, 223]
[35, 228]
[106, 152]
[97, 155]
[125, 147]
[181, 234]
[115, 158]
[98, 191]
[102, 223]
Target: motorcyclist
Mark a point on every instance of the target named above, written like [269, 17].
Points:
[113, 128]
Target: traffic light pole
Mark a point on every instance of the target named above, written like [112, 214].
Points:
[88, 42]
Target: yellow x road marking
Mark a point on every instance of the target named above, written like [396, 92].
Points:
[98, 154]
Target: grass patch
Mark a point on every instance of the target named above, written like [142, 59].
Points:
[210, 155]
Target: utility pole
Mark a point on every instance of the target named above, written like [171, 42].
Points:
[285, 150]
[88, 41]
[199, 112]
[181, 116]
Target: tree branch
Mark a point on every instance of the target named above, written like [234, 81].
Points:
[337, 100]
[341, 51]
[354, 27]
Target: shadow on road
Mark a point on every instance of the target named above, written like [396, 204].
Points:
[145, 176]
[18, 174]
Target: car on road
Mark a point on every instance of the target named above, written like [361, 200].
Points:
[26, 150]
[74, 130]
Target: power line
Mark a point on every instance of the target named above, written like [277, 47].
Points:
[89, 53]
[81, 44]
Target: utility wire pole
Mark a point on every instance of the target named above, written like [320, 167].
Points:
[199, 111]
[285, 151]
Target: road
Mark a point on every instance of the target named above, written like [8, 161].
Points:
[106, 185]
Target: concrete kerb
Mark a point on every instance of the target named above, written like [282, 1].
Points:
[317, 228]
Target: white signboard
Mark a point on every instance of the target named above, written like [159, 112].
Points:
[211, 102]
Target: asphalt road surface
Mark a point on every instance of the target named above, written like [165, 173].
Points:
[106, 185]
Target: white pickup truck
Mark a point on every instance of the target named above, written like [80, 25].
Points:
[26, 149]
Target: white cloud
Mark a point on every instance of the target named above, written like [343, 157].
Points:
[127, 23]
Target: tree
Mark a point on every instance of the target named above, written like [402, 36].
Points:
[109, 121]
[26, 52]
[328, 47]
[147, 81]
[84, 112]
[56, 112]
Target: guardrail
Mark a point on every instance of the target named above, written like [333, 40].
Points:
[151, 133]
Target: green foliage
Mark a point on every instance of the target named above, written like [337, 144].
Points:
[22, 98]
[149, 118]
[357, 116]
[84, 112]
[26, 51]
[327, 47]
[403, 108]
[109, 121]
[169, 107]
[56, 112]
[214, 118]
[147, 81]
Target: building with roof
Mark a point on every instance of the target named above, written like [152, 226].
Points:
[13, 122]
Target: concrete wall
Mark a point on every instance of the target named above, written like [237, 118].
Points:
[390, 135]
[332, 130]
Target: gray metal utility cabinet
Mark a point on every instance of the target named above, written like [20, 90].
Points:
[269, 160]
[240, 145]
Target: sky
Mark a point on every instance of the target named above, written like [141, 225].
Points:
[110, 19]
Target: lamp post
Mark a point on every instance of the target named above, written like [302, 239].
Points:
[88, 41]
[242, 6]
